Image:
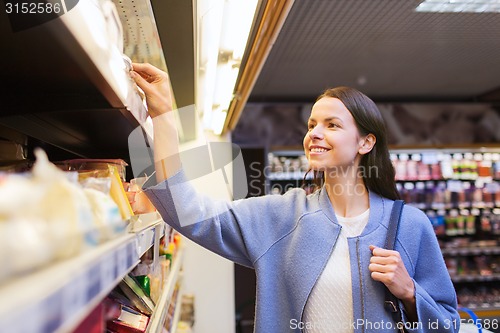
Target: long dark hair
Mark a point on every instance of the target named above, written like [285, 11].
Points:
[368, 120]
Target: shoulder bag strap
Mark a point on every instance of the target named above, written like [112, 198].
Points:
[391, 302]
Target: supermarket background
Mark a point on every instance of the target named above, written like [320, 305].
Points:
[431, 67]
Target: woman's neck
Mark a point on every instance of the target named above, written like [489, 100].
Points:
[347, 192]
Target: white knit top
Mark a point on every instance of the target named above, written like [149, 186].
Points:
[329, 307]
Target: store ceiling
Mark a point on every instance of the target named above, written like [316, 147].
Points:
[385, 49]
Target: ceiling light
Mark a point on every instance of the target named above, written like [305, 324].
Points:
[459, 6]
[224, 27]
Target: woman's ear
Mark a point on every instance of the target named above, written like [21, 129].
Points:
[366, 144]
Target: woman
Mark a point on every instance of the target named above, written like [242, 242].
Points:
[318, 258]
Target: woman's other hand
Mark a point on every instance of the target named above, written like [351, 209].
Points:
[387, 267]
[156, 86]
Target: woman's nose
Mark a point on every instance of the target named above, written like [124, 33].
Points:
[316, 133]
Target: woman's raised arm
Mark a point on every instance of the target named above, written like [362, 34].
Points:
[156, 86]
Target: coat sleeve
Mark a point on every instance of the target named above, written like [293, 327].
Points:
[435, 294]
[238, 230]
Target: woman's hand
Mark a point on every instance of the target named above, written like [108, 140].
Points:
[156, 85]
[388, 267]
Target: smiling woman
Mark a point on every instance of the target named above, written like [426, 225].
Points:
[355, 126]
[343, 226]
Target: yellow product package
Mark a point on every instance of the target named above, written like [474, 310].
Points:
[118, 194]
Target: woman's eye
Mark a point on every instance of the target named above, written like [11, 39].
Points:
[332, 125]
[310, 126]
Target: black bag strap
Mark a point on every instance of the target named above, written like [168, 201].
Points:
[391, 302]
[392, 231]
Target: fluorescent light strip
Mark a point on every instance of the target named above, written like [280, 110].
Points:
[459, 6]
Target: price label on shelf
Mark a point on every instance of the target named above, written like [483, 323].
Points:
[107, 270]
[137, 245]
[28, 320]
[121, 261]
[94, 281]
[51, 310]
[132, 256]
[74, 296]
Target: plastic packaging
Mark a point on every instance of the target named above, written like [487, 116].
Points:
[94, 167]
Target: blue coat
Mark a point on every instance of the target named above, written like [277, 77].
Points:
[288, 240]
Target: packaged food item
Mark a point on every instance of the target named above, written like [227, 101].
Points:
[451, 223]
[24, 245]
[145, 283]
[118, 194]
[65, 208]
[139, 202]
[136, 295]
[437, 222]
[107, 218]
[94, 167]
[127, 320]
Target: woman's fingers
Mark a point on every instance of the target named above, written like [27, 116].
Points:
[146, 69]
[383, 264]
[156, 86]
[386, 266]
[381, 268]
[139, 80]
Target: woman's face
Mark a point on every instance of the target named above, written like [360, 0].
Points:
[332, 139]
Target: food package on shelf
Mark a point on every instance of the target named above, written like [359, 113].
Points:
[121, 318]
[107, 217]
[113, 169]
[42, 218]
[24, 241]
[140, 203]
[132, 289]
[47, 215]
[118, 194]
[65, 208]
[94, 167]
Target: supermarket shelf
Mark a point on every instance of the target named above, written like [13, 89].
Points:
[486, 311]
[157, 319]
[471, 251]
[67, 79]
[290, 175]
[447, 209]
[146, 237]
[476, 278]
[481, 179]
[177, 311]
[58, 297]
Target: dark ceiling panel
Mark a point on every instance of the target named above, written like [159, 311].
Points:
[385, 49]
[174, 20]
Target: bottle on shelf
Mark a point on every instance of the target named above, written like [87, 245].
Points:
[446, 167]
[451, 223]
[496, 165]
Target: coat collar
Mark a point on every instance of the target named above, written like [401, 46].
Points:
[377, 209]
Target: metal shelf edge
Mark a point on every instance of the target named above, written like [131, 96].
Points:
[157, 319]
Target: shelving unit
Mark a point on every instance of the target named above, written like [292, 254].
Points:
[67, 80]
[157, 319]
[58, 297]
[69, 90]
[177, 311]
[471, 251]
